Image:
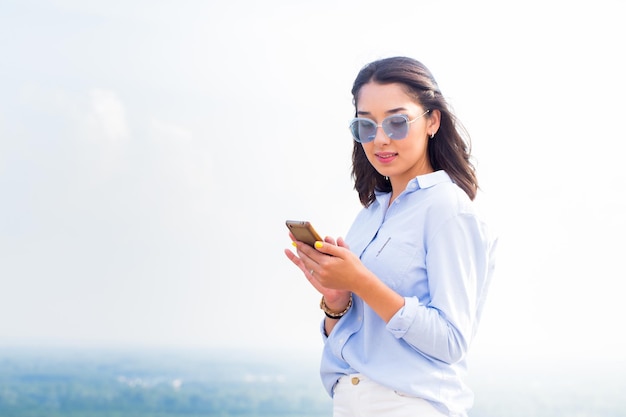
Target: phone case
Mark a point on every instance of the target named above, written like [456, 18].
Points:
[303, 231]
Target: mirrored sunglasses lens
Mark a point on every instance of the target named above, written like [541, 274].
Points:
[396, 127]
[363, 130]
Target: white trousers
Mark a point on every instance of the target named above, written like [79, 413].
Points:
[358, 396]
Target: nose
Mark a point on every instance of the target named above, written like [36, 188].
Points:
[381, 137]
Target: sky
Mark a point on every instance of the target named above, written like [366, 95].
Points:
[150, 152]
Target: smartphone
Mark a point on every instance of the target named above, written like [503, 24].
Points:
[303, 231]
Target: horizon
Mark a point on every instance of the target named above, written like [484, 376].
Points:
[175, 385]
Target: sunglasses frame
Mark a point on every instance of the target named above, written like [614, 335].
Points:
[404, 116]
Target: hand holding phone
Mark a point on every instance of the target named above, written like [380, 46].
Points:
[303, 231]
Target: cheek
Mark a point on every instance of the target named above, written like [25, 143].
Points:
[368, 148]
[416, 144]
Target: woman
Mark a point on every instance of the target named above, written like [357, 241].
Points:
[403, 293]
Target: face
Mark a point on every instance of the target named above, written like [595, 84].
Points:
[404, 159]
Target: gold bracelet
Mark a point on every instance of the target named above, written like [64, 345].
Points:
[332, 315]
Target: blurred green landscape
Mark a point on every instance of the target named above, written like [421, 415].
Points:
[221, 383]
[160, 384]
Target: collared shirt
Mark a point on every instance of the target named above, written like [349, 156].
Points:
[429, 246]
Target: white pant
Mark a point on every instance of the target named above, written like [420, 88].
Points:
[358, 396]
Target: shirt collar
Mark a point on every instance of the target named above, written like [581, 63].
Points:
[429, 180]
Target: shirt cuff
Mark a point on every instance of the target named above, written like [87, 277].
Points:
[402, 320]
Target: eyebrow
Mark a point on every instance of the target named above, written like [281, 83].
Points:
[392, 111]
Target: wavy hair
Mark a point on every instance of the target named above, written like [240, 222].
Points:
[449, 150]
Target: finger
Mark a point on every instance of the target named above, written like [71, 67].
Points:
[292, 256]
[295, 259]
[328, 249]
[306, 258]
[303, 249]
[341, 242]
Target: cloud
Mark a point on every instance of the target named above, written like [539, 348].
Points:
[106, 118]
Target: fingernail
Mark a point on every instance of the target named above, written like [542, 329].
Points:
[318, 244]
[294, 244]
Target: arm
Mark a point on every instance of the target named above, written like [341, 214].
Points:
[459, 267]
[344, 271]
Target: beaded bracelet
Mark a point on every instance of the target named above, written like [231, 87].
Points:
[332, 315]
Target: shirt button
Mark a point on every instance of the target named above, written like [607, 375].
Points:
[355, 380]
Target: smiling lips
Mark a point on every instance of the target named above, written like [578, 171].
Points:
[386, 157]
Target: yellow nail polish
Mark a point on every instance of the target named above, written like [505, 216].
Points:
[318, 244]
[294, 244]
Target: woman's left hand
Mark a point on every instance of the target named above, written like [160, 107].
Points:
[342, 270]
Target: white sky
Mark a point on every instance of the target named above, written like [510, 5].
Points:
[150, 152]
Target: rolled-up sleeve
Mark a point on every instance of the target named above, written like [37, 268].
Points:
[457, 270]
[404, 318]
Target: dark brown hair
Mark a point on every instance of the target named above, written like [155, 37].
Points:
[449, 150]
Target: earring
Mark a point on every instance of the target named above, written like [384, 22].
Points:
[386, 178]
[432, 135]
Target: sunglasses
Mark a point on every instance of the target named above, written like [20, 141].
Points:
[395, 127]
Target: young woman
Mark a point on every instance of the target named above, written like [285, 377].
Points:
[403, 293]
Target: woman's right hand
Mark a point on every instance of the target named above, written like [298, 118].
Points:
[336, 300]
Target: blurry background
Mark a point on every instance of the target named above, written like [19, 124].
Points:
[150, 152]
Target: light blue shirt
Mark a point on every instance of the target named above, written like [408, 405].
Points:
[431, 248]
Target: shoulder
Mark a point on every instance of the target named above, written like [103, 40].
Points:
[455, 220]
[447, 210]
[445, 199]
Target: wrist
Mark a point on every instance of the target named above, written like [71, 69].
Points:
[332, 313]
